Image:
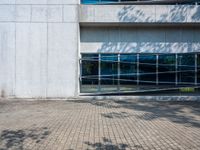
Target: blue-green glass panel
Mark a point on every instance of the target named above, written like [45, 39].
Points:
[147, 69]
[89, 73]
[109, 72]
[89, 1]
[186, 69]
[128, 72]
[167, 69]
[198, 68]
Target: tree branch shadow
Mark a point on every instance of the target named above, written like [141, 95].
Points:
[14, 139]
[107, 144]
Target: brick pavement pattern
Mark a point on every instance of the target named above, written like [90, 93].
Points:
[99, 124]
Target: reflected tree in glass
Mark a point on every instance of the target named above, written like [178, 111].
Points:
[89, 73]
[109, 72]
[128, 72]
[186, 69]
[167, 69]
[147, 69]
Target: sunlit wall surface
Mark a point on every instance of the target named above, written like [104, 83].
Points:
[139, 73]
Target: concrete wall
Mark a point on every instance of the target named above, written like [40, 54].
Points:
[139, 13]
[168, 39]
[38, 48]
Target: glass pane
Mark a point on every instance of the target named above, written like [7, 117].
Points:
[109, 70]
[128, 72]
[198, 68]
[89, 73]
[147, 69]
[186, 69]
[109, 0]
[167, 69]
[89, 1]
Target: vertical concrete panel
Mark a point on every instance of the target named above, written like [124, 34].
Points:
[147, 40]
[129, 39]
[7, 1]
[62, 60]
[178, 13]
[31, 1]
[86, 14]
[7, 13]
[158, 38]
[31, 54]
[187, 38]
[63, 1]
[196, 43]
[7, 59]
[55, 13]
[70, 13]
[23, 13]
[162, 13]
[173, 38]
[39, 13]
[193, 13]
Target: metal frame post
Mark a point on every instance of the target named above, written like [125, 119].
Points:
[99, 74]
[138, 78]
[195, 82]
[157, 56]
[118, 73]
[176, 69]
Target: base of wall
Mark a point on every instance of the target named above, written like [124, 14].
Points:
[93, 98]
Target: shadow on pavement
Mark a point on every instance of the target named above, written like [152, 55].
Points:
[14, 139]
[181, 112]
[107, 144]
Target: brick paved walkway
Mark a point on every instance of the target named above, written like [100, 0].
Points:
[116, 125]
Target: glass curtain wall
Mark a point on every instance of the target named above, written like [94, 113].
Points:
[118, 1]
[105, 73]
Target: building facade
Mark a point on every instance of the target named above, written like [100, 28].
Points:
[68, 48]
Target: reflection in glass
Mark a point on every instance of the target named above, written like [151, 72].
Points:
[90, 1]
[128, 72]
[89, 73]
[149, 73]
[109, 72]
[198, 68]
[186, 68]
[167, 69]
[147, 69]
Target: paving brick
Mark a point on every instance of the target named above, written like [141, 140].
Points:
[85, 124]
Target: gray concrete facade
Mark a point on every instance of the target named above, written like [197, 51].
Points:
[155, 39]
[38, 48]
[41, 40]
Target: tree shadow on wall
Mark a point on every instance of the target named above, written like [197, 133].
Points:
[14, 139]
[136, 14]
[173, 13]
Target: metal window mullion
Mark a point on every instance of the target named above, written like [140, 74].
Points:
[138, 69]
[195, 69]
[80, 75]
[157, 69]
[176, 69]
[99, 74]
[118, 74]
